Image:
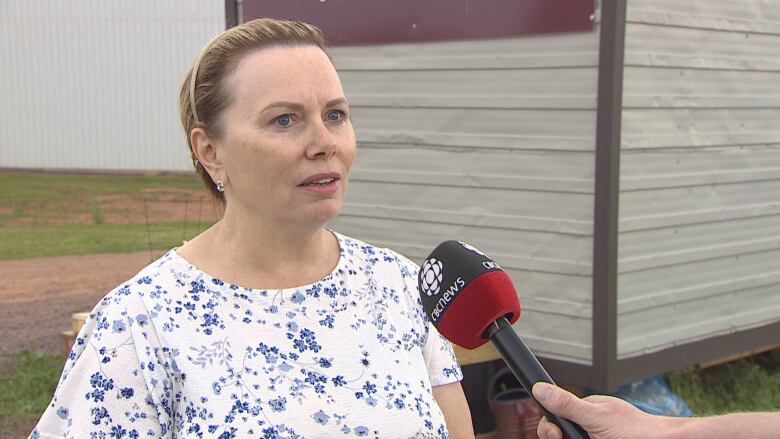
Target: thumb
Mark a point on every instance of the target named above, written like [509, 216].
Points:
[562, 403]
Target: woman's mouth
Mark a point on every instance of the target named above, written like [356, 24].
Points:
[321, 183]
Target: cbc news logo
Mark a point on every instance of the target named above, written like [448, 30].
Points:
[468, 247]
[431, 276]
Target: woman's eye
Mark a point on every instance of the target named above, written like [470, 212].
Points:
[284, 120]
[335, 115]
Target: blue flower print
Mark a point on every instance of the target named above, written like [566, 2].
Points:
[196, 287]
[175, 352]
[62, 412]
[327, 321]
[145, 280]
[141, 319]
[369, 388]
[98, 414]
[278, 404]
[118, 432]
[321, 417]
[228, 434]
[118, 326]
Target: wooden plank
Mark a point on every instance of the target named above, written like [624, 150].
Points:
[739, 355]
[482, 354]
[78, 320]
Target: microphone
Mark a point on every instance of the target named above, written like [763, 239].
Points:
[470, 299]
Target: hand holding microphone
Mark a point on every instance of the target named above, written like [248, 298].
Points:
[471, 300]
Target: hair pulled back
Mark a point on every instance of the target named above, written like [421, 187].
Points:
[204, 96]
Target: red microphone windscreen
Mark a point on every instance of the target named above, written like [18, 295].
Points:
[485, 299]
[463, 292]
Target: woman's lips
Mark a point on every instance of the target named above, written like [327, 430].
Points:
[322, 183]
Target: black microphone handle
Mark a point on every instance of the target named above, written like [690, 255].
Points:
[526, 368]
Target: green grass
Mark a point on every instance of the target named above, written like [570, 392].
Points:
[37, 218]
[44, 198]
[97, 212]
[29, 382]
[27, 385]
[16, 187]
[46, 214]
[81, 239]
[751, 384]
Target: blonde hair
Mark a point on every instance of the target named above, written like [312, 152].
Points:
[203, 96]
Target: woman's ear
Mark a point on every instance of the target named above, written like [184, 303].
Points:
[206, 153]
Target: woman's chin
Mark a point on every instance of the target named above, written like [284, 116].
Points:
[321, 213]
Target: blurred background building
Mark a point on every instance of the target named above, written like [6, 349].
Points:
[621, 159]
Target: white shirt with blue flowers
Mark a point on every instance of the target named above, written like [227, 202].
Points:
[174, 352]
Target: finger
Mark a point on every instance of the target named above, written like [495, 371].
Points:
[548, 430]
[562, 403]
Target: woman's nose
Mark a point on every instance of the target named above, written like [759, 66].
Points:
[323, 143]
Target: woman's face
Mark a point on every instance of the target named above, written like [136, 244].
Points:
[287, 143]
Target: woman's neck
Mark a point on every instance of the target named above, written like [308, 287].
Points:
[258, 254]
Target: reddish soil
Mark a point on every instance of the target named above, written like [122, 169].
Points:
[38, 296]
[149, 205]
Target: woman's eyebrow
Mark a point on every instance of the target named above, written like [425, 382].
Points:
[337, 101]
[284, 104]
[299, 107]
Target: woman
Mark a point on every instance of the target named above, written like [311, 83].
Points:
[266, 324]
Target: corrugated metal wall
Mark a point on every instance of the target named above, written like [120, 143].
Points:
[491, 142]
[700, 172]
[94, 83]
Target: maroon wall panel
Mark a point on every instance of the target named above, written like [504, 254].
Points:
[394, 21]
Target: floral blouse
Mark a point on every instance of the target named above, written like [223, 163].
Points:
[174, 352]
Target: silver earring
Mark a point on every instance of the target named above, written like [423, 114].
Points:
[220, 186]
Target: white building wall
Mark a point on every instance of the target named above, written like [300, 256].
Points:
[491, 142]
[93, 84]
[699, 234]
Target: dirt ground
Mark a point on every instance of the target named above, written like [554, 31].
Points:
[38, 296]
[148, 205]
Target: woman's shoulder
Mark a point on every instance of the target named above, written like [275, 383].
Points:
[161, 275]
[134, 302]
[384, 265]
[350, 246]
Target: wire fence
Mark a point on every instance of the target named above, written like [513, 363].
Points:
[104, 224]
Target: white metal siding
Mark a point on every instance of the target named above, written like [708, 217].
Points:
[491, 142]
[699, 243]
[93, 84]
